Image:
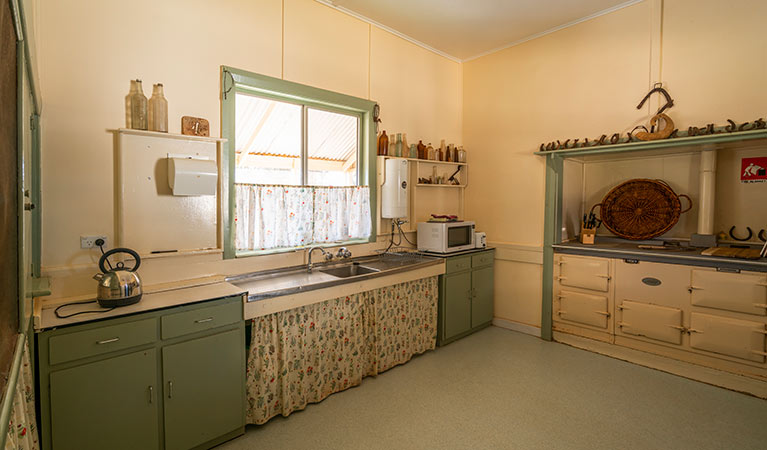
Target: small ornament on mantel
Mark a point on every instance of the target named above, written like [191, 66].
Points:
[195, 126]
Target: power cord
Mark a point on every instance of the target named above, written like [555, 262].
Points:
[95, 311]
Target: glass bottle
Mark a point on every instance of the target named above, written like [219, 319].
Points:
[449, 153]
[405, 146]
[383, 144]
[158, 110]
[399, 144]
[430, 153]
[413, 151]
[441, 153]
[392, 147]
[421, 150]
[136, 104]
[461, 155]
[128, 116]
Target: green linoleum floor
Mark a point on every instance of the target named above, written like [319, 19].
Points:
[498, 389]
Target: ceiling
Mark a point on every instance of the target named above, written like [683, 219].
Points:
[465, 29]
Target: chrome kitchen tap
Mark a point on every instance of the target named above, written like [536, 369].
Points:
[344, 253]
[327, 255]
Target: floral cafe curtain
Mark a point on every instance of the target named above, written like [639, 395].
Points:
[22, 428]
[268, 217]
[301, 356]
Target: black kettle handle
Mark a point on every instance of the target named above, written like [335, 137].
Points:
[106, 255]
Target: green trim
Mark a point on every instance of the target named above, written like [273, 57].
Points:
[551, 235]
[20, 20]
[235, 81]
[694, 141]
[273, 251]
[38, 287]
[36, 198]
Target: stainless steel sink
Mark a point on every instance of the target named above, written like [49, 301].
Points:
[293, 280]
[351, 270]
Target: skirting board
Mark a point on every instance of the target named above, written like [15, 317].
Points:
[516, 326]
[680, 368]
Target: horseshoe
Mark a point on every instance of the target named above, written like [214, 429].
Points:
[748, 238]
[762, 236]
[657, 88]
[668, 128]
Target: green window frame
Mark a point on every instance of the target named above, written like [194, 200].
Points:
[234, 81]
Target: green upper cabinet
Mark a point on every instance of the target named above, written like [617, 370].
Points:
[203, 389]
[106, 404]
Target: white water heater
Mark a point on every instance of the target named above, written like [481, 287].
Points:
[395, 189]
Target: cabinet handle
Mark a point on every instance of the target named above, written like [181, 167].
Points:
[209, 319]
[151, 394]
[758, 352]
[170, 389]
[108, 341]
[607, 277]
[623, 324]
[760, 305]
[677, 327]
[604, 313]
[693, 330]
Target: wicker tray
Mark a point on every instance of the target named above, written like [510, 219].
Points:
[641, 209]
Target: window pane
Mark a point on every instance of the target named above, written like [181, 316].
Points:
[268, 140]
[333, 141]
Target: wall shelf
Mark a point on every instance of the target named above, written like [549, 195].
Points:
[441, 185]
[427, 161]
[688, 143]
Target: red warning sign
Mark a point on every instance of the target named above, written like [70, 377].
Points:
[753, 170]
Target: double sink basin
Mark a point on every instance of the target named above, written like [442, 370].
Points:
[296, 279]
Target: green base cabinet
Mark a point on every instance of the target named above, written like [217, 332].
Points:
[172, 379]
[465, 295]
[95, 403]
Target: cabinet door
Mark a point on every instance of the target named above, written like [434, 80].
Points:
[584, 272]
[739, 292]
[482, 301]
[732, 337]
[203, 388]
[583, 309]
[106, 404]
[660, 323]
[457, 304]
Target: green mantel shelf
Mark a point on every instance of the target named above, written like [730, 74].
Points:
[693, 141]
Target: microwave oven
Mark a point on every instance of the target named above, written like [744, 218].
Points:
[445, 237]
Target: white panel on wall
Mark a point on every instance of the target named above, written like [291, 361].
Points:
[149, 218]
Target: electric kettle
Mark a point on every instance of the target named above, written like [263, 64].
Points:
[118, 286]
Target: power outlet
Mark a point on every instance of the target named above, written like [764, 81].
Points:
[90, 241]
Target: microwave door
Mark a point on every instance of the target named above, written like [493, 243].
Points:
[460, 236]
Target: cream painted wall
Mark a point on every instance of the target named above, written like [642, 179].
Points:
[90, 50]
[586, 80]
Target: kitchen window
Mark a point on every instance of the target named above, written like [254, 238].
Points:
[299, 164]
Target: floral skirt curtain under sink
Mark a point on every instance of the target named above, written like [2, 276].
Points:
[303, 355]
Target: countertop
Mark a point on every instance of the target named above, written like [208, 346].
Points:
[149, 302]
[686, 256]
